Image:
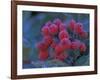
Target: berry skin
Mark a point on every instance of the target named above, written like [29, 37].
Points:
[43, 55]
[48, 23]
[75, 45]
[63, 34]
[57, 22]
[72, 25]
[42, 46]
[59, 49]
[83, 34]
[82, 47]
[48, 40]
[45, 30]
[79, 28]
[54, 44]
[61, 56]
[53, 29]
[62, 27]
[66, 43]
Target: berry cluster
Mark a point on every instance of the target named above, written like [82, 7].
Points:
[56, 36]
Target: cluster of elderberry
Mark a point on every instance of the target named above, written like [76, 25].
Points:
[56, 36]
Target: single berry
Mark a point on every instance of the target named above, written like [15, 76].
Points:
[59, 49]
[61, 57]
[43, 55]
[83, 34]
[62, 27]
[48, 40]
[42, 46]
[53, 29]
[54, 44]
[66, 43]
[48, 23]
[63, 34]
[82, 47]
[57, 22]
[79, 28]
[45, 30]
[72, 25]
[75, 45]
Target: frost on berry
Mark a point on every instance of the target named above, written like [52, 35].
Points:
[61, 40]
[72, 25]
[53, 29]
[43, 55]
[63, 34]
[82, 47]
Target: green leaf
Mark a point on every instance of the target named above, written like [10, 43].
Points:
[82, 61]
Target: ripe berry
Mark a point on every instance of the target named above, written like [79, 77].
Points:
[75, 45]
[83, 34]
[62, 27]
[48, 23]
[59, 49]
[54, 44]
[79, 28]
[42, 46]
[72, 25]
[53, 29]
[48, 40]
[61, 56]
[45, 30]
[43, 55]
[82, 47]
[63, 34]
[57, 22]
[66, 43]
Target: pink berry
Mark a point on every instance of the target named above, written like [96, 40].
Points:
[79, 28]
[53, 29]
[66, 43]
[62, 27]
[42, 46]
[75, 45]
[83, 34]
[54, 44]
[48, 40]
[57, 22]
[72, 25]
[61, 56]
[63, 34]
[59, 49]
[45, 30]
[43, 55]
[48, 23]
[82, 47]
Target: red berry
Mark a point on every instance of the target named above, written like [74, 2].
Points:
[66, 43]
[82, 47]
[57, 22]
[53, 29]
[43, 55]
[75, 45]
[83, 34]
[48, 40]
[61, 56]
[79, 28]
[62, 27]
[42, 46]
[45, 30]
[72, 25]
[59, 48]
[54, 44]
[63, 34]
[48, 23]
